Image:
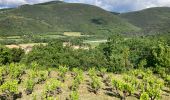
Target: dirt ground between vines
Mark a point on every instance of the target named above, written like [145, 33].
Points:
[84, 94]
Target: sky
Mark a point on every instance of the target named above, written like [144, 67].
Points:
[110, 5]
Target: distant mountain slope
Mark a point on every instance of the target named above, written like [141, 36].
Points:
[150, 20]
[59, 17]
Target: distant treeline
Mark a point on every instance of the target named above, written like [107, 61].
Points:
[119, 54]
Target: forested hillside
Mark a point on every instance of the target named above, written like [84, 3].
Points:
[61, 17]
[152, 20]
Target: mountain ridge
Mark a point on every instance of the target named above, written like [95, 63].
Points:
[60, 17]
[151, 20]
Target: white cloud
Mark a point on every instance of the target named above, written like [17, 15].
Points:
[12, 2]
[125, 5]
[115, 5]
[37, 1]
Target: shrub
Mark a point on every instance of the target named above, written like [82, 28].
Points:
[95, 84]
[142, 63]
[152, 86]
[102, 71]
[10, 89]
[131, 79]
[122, 88]
[42, 76]
[32, 74]
[17, 54]
[76, 82]
[1, 75]
[128, 89]
[16, 70]
[10, 86]
[5, 55]
[167, 80]
[62, 72]
[107, 80]
[144, 96]
[29, 85]
[34, 66]
[74, 95]
[52, 87]
[77, 71]
[92, 72]
[154, 93]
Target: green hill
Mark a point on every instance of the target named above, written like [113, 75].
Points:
[60, 17]
[150, 20]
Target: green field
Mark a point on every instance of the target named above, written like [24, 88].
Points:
[92, 40]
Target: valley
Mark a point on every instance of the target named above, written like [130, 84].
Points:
[75, 51]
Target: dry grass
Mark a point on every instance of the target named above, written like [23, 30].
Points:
[77, 34]
[26, 47]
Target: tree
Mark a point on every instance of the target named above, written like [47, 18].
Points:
[117, 53]
[17, 54]
[161, 55]
[5, 55]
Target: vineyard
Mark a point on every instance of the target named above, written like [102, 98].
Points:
[19, 82]
[68, 50]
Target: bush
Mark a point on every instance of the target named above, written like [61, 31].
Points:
[152, 86]
[1, 75]
[95, 84]
[54, 54]
[52, 88]
[8, 56]
[92, 72]
[39, 77]
[77, 71]
[42, 76]
[5, 55]
[17, 54]
[29, 85]
[102, 71]
[10, 86]
[74, 95]
[108, 80]
[10, 89]
[32, 74]
[122, 87]
[62, 72]
[76, 82]
[15, 70]
[167, 80]
[144, 96]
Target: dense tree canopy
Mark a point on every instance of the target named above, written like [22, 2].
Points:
[10, 55]
[119, 54]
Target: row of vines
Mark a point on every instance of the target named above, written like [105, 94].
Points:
[141, 84]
